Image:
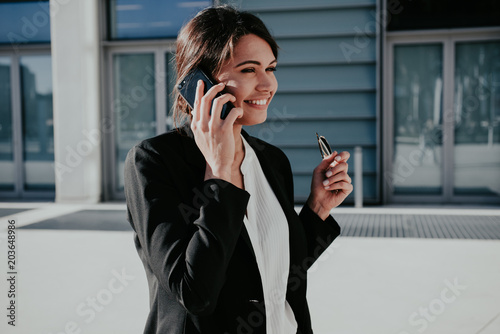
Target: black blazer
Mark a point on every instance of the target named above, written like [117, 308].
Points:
[189, 233]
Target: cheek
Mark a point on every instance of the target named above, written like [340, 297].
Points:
[231, 87]
[236, 89]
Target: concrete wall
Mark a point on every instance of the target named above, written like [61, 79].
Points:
[75, 59]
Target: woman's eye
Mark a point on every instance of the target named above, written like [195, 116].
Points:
[252, 70]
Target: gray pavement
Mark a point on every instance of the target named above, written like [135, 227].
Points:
[395, 270]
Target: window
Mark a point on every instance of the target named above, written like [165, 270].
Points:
[477, 118]
[7, 177]
[26, 122]
[37, 121]
[134, 103]
[443, 121]
[418, 83]
[24, 22]
[26, 125]
[148, 19]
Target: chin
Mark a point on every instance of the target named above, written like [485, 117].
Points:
[253, 119]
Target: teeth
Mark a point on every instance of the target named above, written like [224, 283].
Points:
[258, 102]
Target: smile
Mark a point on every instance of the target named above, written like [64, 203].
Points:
[257, 102]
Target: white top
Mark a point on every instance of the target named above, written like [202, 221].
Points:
[268, 230]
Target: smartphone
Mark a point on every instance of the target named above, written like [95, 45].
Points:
[187, 88]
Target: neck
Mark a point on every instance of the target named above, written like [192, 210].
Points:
[238, 142]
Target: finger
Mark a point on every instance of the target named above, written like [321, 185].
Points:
[197, 100]
[233, 115]
[339, 177]
[345, 155]
[341, 167]
[218, 103]
[325, 163]
[343, 186]
[206, 100]
[341, 157]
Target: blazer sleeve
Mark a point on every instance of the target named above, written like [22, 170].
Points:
[189, 259]
[319, 233]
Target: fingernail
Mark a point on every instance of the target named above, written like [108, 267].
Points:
[199, 83]
[221, 84]
[325, 182]
[327, 187]
[329, 173]
[338, 158]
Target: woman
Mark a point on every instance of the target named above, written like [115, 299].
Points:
[212, 207]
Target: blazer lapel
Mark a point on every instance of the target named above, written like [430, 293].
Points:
[273, 176]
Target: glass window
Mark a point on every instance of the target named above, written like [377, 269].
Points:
[24, 22]
[133, 19]
[418, 83]
[134, 104]
[8, 175]
[432, 14]
[477, 118]
[38, 131]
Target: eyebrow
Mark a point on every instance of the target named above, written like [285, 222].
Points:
[253, 62]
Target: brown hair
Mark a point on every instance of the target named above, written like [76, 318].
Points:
[207, 41]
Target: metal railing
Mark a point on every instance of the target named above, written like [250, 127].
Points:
[358, 172]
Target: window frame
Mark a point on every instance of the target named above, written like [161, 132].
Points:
[19, 191]
[159, 50]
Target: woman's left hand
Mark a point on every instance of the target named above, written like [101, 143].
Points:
[330, 184]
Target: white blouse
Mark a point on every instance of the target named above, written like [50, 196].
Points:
[268, 230]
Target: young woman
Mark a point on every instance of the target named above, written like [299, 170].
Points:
[212, 207]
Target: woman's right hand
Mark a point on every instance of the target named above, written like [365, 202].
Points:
[214, 136]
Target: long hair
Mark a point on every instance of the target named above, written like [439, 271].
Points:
[207, 41]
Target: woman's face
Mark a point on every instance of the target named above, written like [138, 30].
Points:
[249, 76]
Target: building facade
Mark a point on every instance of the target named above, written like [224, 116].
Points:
[414, 84]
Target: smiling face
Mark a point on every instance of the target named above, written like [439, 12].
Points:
[249, 76]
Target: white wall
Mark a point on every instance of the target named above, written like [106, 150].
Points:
[77, 128]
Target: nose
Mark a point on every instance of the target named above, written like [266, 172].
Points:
[266, 82]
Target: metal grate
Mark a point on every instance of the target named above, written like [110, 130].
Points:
[419, 226]
[353, 225]
[97, 220]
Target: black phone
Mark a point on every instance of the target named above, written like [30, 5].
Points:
[187, 88]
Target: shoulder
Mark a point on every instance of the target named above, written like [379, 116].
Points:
[173, 140]
[174, 145]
